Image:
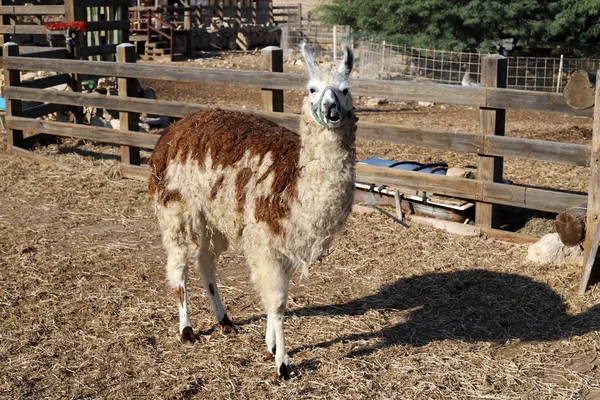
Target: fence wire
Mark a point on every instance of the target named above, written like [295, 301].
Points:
[390, 62]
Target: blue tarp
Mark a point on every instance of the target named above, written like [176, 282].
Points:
[437, 168]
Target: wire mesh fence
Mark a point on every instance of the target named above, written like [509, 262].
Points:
[391, 62]
[324, 40]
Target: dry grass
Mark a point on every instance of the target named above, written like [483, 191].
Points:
[390, 313]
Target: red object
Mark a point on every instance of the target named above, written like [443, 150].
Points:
[79, 26]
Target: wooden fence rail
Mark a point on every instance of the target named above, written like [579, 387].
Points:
[395, 91]
[486, 190]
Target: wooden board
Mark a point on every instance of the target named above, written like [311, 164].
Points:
[105, 135]
[592, 262]
[492, 122]
[37, 158]
[392, 90]
[33, 10]
[497, 193]
[592, 269]
[138, 172]
[98, 50]
[48, 81]
[565, 153]
[473, 230]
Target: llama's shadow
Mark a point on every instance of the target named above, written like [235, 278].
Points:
[474, 305]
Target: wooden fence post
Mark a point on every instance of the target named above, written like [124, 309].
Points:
[198, 15]
[13, 107]
[254, 12]
[591, 273]
[272, 60]
[128, 120]
[271, 16]
[220, 12]
[75, 11]
[492, 121]
[238, 13]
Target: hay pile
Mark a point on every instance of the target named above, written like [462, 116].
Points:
[390, 313]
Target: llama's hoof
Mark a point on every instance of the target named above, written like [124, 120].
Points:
[187, 336]
[227, 325]
[284, 371]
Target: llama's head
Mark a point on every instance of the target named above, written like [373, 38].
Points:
[329, 89]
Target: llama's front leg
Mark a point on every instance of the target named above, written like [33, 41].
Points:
[272, 281]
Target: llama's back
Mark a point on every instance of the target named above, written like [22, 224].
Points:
[225, 168]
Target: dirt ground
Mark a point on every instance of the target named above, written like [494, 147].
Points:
[390, 313]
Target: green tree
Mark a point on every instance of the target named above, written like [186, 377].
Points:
[575, 21]
[468, 24]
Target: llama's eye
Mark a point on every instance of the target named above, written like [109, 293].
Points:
[312, 90]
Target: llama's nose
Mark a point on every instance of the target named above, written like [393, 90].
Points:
[328, 99]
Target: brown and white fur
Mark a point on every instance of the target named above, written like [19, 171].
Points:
[221, 176]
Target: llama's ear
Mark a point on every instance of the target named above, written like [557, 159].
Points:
[311, 64]
[346, 66]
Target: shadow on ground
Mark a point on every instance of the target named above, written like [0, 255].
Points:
[474, 305]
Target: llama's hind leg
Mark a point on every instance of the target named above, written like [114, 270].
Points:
[177, 270]
[212, 245]
[177, 244]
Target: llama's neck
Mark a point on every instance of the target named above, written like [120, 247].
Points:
[325, 188]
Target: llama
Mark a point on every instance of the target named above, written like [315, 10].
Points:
[221, 177]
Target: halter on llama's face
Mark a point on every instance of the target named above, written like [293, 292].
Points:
[329, 89]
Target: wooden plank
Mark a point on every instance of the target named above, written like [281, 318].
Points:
[33, 10]
[570, 154]
[592, 262]
[60, 52]
[272, 61]
[29, 30]
[48, 81]
[138, 172]
[98, 50]
[496, 193]
[34, 49]
[37, 158]
[541, 150]
[504, 194]
[127, 88]
[12, 78]
[158, 107]
[417, 91]
[415, 136]
[592, 271]
[549, 200]
[392, 90]
[439, 184]
[167, 72]
[473, 230]
[533, 101]
[492, 121]
[105, 135]
[43, 109]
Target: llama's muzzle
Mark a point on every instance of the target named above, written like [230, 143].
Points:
[328, 111]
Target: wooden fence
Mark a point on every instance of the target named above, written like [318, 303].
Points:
[489, 143]
[106, 21]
